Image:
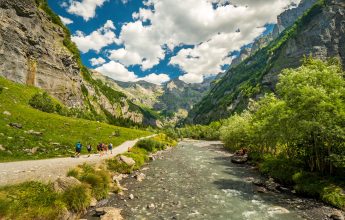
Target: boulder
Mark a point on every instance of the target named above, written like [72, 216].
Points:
[239, 159]
[140, 177]
[277, 210]
[109, 213]
[15, 125]
[63, 183]
[93, 202]
[337, 215]
[127, 160]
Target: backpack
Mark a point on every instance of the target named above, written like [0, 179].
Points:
[78, 145]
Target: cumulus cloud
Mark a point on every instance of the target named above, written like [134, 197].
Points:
[156, 78]
[66, 21]
[209, 25]
[97, 61]
[96, 40]
[83, 8]
[117, 71]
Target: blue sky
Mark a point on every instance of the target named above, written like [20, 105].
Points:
[157, 40]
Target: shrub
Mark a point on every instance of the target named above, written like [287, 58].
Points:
[77, 197]
[150, 145]
[74, 173]
[117, 166]
[42, 102]
[334, 195]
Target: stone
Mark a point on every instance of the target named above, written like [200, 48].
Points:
[151, 206]
[34, 150]
[131, 196]
[337, 215]
[34, 132]
[152, 158]
[261, 189]
[63, 183]
[7, 113]
[239, 159]
[140, 177]
[127, 160]
[2, 148]
[16, 125]
[93, 202]
[277, 210]
[109, 213]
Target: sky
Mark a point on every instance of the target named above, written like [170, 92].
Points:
[158, 40]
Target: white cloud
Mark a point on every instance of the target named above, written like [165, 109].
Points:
[156, 78]
[84, 8]
[124, 56]
[192, 78]
[66, 21]
[171, 23]
[117, 71]
[97, 61]
[96, 40]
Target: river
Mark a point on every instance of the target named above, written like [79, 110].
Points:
[196, 180]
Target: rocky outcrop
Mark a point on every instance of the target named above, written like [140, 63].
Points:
[32, 52]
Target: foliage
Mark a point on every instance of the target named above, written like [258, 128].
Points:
[43, 102]
[77, 197]
[115, 165]
[207, 132]
[59, 133]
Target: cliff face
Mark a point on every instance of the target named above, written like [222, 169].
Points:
[32, 52]
[284, 20]
[320, 33]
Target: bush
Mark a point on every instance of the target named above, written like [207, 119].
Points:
[77, 197]
[334, 196]
[116, 165]
[42, 102]
[150, 145]
[74, 173]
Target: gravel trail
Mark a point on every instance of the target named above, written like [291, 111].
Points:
[51, 169]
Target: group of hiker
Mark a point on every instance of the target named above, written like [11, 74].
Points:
[102, 149]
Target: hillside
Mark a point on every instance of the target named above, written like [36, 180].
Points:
[171, 100]
[36, 49]
[318, 33]
[27, 133]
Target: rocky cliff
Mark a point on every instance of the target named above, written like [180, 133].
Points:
[284, 20]
[35, 49]
[319, 33]
[32, 52]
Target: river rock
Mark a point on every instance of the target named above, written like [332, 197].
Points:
[109, 213]
[140, 177]
[337, 215]
[16, 125]
[277, 210]
[93, 202]
[151, 206]
[261, 189]
[239, 159]
[63, 183]
[131, 196]
[127, 160]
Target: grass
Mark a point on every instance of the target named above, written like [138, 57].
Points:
[59, 133]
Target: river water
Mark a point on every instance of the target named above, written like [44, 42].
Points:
[196, 180]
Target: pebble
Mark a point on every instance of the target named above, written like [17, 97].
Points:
[131, 196]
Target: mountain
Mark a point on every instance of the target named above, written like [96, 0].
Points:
[172, 100]
[284, 20]
[36, 50]
[320, 33]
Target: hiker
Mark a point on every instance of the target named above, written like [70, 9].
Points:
[110, 147]
[100, 147]
[89, 149]
[78, 147]
[105, 147]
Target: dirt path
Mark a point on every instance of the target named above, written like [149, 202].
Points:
[50, 169]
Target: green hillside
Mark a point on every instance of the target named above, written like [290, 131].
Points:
[45, 135]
